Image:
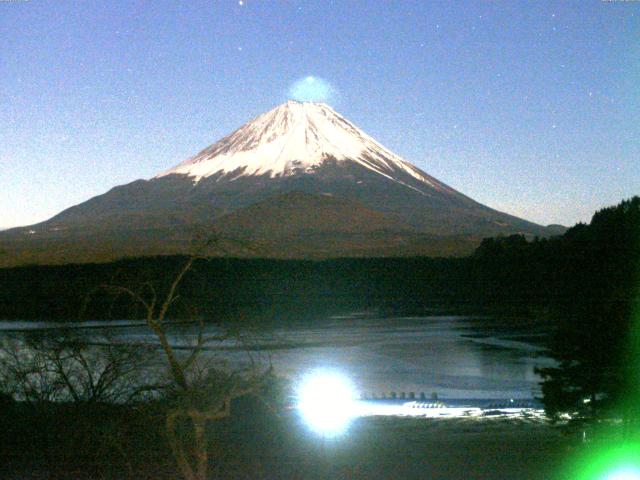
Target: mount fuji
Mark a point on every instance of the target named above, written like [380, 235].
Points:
[299, 181]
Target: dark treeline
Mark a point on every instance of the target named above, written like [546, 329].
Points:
[587, 267]
[597, 318]
[564, 273]
[219, 287]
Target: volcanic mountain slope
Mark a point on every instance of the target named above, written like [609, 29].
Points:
[300, 179]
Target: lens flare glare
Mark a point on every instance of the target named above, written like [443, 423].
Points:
[327, 402]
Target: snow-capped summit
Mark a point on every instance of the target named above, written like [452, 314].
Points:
[293, 138]
[299, 181]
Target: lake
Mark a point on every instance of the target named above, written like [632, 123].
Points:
[453, 356]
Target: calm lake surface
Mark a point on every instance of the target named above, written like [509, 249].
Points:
[454, 356]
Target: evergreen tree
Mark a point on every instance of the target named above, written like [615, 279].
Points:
[596, 341]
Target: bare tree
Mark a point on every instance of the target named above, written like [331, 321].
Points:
[202, 390]
[64, 366]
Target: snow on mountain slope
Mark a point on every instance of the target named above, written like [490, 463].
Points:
[300, 180]
[296, 138]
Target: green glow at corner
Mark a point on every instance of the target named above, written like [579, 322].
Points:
[624, 474]
[610, 463]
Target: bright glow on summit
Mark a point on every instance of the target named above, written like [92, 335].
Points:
[327, 403]
[312, 89]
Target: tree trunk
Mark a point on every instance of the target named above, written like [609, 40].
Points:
[201, 451]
